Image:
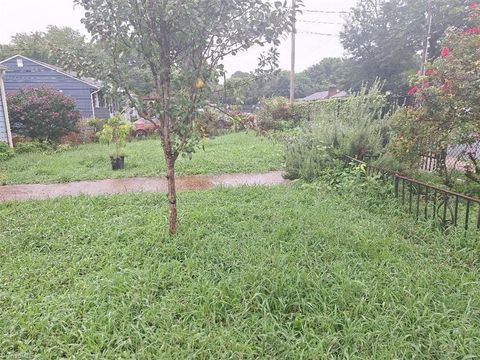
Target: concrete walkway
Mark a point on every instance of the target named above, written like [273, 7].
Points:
[119, 186]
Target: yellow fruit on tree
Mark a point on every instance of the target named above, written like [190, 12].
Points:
[199, 83]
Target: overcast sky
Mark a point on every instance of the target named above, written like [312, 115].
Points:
[34, 15]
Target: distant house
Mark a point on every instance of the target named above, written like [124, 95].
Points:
[5, 134]
[331, 93]
[23, 72]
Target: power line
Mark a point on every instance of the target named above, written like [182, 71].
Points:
[320, 22]
[326, 11]
[317, 33]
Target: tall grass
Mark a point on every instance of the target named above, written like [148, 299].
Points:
[254, 273]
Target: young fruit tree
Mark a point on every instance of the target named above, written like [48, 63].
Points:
[181, 45]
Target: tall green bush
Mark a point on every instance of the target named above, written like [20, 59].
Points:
[356, 126]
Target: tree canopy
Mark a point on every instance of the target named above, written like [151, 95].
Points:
[53, 46]
[385, 38]
[247, 88]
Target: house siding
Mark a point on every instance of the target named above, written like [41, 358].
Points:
[37, 75]
[102, 113]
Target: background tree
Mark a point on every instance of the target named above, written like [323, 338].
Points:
[385, 37]
[42, 114]
[328, 72]
[43, 45]
[181, 44]
[249, 89]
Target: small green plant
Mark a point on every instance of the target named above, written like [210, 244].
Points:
[5, 151]
[116, 131]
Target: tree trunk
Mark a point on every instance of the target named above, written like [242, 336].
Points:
[172, 195]
[169, 156]
[170, 162]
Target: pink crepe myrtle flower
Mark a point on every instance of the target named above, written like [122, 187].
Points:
[445, 52]
[446, 87]
[473, 5]
[425, 85]
[413, 90]
[474, 30]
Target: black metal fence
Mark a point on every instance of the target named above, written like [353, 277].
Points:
[444, 207]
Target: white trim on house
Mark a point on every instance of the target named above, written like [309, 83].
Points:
[5, 108]
[93, 102]
[51, 68]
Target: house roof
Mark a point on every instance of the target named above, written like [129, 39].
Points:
[340, 94]
[322, 95]
[316, 96]
[91, 82]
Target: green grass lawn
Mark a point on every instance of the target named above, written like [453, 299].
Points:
[232, 153]
[254, 273]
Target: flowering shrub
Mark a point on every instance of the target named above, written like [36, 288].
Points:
[43, 114]
[447, 110]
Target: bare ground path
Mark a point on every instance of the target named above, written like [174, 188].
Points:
[118, 186]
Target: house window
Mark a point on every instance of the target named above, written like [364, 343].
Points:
[99, 100]
[19, 62]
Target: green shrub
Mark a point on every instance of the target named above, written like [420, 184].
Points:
[213, 122]
[277, 114]
[5, 151]
[356, 126]
[43, 114]
[96, 124]
[306, 157]
[32, 146]
[389, 162]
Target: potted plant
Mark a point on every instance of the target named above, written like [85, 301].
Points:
[116, 130]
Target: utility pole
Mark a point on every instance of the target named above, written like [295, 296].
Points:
[426, 45]
[225, 89]
[292, 70]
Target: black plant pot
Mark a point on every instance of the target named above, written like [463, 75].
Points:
[118, 163]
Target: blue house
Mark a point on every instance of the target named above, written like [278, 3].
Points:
[23, 72]
[5, 134]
